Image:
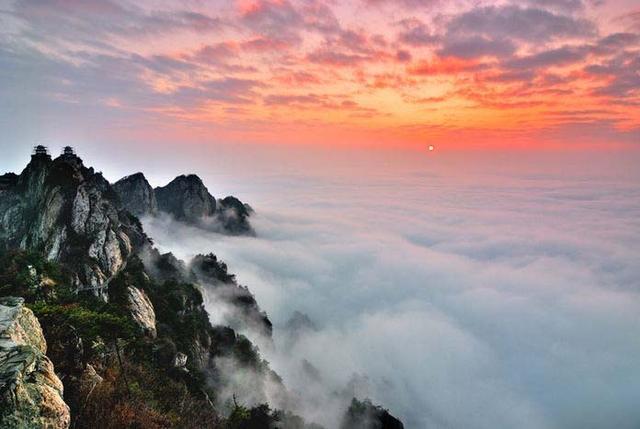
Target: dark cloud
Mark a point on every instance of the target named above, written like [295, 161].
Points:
[328, 56]
[558, 5]
[623, 70]
[284, 20]
[416, 33]
[93, 20]
[522, 24]
[294, 99]
[474, 47]
[616, 42]
[552, 58]
[226, 90]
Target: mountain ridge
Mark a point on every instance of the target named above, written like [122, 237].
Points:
[125, 325]
[186, 199]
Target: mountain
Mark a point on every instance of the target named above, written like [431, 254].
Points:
[124, 326]
[137, 195]
[186, 199]
[71, 214]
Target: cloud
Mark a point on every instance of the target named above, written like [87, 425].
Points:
[551, 58]
[286, 20]
[622, 69]
[475, 47]
[137, 64]
[486, 292]
[416, 33]
[443, 65]
[523, 24]
[558, 5]
[93, 20]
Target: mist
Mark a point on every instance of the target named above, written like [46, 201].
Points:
[477, 297]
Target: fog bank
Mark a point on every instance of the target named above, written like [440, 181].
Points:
[458, 298]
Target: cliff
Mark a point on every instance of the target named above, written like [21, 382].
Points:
[137, 195]
[30, 391]
[70, 214]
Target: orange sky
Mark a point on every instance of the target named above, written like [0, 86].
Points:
[563, 73]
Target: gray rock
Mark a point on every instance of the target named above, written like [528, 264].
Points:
[137, 195]
[30, 391]
[142, 310]
[187, 199]
[180, 360]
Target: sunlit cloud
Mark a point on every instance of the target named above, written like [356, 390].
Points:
[500, 65]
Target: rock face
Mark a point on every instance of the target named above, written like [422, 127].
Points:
[137, 195]
[30, 391]
[70, 214]
[187, 199]
[142, 310]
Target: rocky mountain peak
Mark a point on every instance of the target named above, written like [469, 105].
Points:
[186, 198]
[70, 213]
[136, 195]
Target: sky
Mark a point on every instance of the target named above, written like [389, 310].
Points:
[481, 292]
[481, 74]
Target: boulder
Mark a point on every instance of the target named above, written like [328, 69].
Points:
[142, 311]
[30, 390]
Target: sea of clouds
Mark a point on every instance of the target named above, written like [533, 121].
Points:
[467, 294]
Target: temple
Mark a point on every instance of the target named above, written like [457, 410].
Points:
[40, 152]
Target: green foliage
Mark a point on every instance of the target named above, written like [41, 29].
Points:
[92, 325]
[258, 417]
[29, 275]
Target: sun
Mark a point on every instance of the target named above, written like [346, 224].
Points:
[431, 148]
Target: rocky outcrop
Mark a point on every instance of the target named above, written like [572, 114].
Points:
[233, 214]
[30, 391]
[137, 195]
[69, 213]
[187, 199]
[365, 415]
[238, 305]
[142, 311]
